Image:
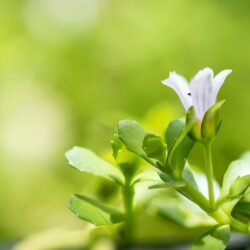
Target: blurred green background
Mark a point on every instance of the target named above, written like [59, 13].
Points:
[69, 70]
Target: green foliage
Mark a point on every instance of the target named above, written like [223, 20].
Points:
[165, 177]
[216, 238]
[87, 161]
[242, 210]
[177, 154]
[169, 181]
[189, 177]
[116, 145]
[132, 135]
[94, 211]
[173, 130]
[236, 169]
[154, 147]
[240, 186]
[169, 184]
[174, 172]
[235, 186]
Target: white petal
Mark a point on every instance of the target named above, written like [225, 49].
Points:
[202, 92]
[180, 86]
[219, 80]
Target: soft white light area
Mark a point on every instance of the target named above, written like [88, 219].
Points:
[34, 125]
[60, 20]
[70, 13]
[201, 181]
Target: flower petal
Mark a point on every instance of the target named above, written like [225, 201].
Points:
[219, 80]
[179, 84]
[202, 92]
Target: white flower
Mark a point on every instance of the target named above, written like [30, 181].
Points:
[202, 91]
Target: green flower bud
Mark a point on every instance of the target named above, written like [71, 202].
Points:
[208, 128]
[211, 122]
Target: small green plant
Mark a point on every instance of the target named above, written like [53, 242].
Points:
[124, 174]
[168, 156]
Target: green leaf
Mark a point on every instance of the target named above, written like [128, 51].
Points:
[170, 184]
[132, 135]
[242, 208]
[240, 186]
[117, 180]
[165, 177]
[167, 181]
[238, 168]
[147, 175]
[154, 147]
[216, 238]
[116, 145]
[87, 161]
[174, 128]
[188, 176]
[177, 158]
[94, 211]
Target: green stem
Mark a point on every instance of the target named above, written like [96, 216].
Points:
[223, 218]
[218, 215]
[128, 196]
[209, 172]
[194, 195]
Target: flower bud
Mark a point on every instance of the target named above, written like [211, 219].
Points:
[208, 128]
[211, 122]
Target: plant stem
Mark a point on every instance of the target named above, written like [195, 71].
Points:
[218, 215]
[223, 218]
[128, 196]
[209, 172]
[194, 195]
